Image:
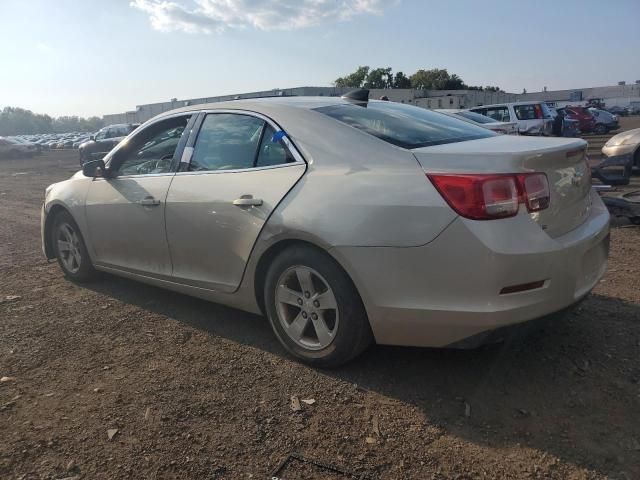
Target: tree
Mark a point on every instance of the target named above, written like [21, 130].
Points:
[433, 79]
[18, 121]
[379, 78]
[436, 79]
[355, 79]
[401, 81]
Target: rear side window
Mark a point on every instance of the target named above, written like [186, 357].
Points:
[499, 114]
[404, 125]
[525, 112]
[534, 111]
[272, 152]
[227, 141]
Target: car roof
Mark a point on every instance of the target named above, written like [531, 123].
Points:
[307, 103]
[509, 103]
[117, 125]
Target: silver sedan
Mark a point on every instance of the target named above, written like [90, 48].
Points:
[344, 221]
[623, 149]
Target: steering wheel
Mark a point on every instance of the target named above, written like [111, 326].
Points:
[153, 165]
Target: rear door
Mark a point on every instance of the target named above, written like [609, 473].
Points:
[238, 171]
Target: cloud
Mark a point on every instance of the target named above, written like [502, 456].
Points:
[209, 16]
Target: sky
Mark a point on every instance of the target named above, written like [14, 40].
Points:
[93, 57]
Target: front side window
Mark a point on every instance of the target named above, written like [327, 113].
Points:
[404, 125]
[101, 135]
[227, 141]
[151, 150]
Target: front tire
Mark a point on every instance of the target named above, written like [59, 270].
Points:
[70, 249]
[314, 308]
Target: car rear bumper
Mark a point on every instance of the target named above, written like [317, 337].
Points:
[450, 289]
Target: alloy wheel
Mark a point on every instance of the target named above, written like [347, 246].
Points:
[307, 307]
[69, 247]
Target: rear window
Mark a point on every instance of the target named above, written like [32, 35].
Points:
[476, 117]
[525, 112]
[498, 113]
[404, 125]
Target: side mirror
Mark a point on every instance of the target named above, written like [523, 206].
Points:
[92, 137]
[94, 168]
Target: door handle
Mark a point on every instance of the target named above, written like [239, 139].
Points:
[247, 201]
[149, 202]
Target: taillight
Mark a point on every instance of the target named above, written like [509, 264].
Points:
[535, 191]
[488, 197]
[538, 109]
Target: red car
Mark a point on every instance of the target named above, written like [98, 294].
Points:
[586, 121]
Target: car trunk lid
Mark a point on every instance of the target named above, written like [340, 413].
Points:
[562, 160]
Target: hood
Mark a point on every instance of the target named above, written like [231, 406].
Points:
[625, 138]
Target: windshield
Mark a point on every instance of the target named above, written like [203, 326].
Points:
[476, 117]
[403, 125]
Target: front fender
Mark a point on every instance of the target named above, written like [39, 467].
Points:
[68, 196]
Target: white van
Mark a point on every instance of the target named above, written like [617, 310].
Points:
[533, 118]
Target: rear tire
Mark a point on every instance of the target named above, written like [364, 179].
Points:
[70, 249]
[314, 308]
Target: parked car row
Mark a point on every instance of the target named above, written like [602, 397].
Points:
[51, 141]
[14, 147]
[538, 118]
[624, 111]
[89, 145]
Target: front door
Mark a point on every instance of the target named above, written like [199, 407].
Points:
[239, 171]
[126, 211]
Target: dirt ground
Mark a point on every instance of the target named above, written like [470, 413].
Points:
[194, 390]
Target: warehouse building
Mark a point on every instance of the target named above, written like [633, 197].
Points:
[617, 95]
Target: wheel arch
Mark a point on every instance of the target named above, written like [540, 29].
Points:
[54, 211]
[267, 257]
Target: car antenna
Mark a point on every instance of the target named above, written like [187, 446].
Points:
[359, 95]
